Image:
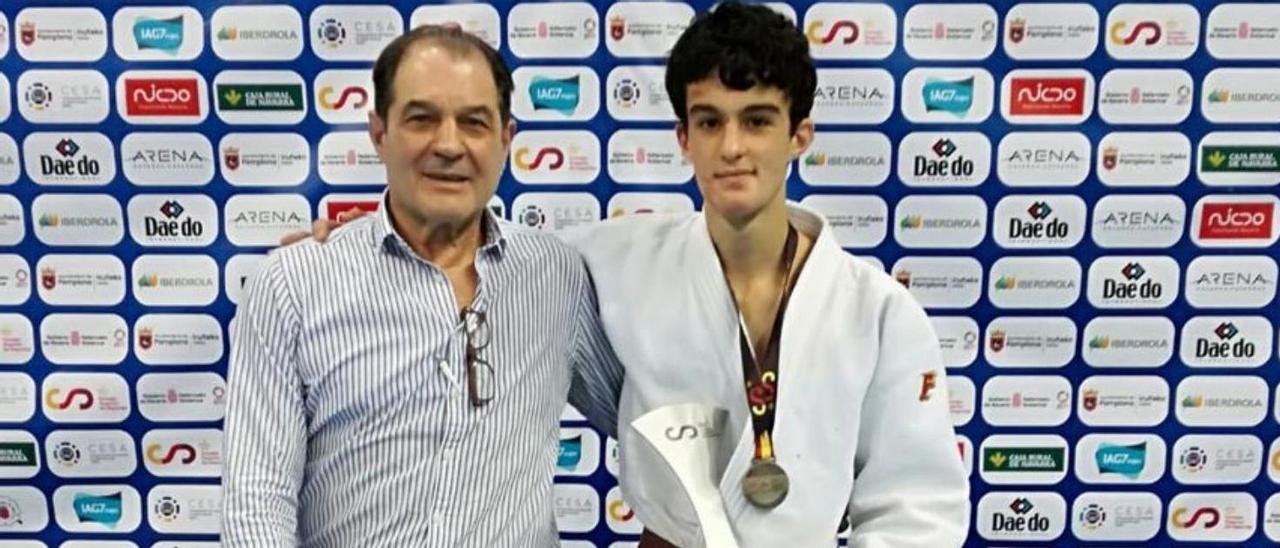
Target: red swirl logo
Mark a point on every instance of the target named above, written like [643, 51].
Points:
[522, 158]
[189, 453]
[326, 97]
[1211, 515]
[1119, 37]
[812, 32]
[51, 398]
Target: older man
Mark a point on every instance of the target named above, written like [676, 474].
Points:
[408, 392]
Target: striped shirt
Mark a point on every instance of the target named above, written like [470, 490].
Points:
[349, 422]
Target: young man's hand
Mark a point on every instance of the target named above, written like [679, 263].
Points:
[321, 228]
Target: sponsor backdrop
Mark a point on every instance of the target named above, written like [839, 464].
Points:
[1082, 195]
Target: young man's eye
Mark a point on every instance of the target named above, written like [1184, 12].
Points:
[760, 121]
[708, 123]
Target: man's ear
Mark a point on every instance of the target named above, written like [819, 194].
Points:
[377, 131]
[508, 133]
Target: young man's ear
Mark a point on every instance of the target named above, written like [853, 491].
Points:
[802, 138]
[682, 137]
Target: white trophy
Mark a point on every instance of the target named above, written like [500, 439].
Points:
[686, 436]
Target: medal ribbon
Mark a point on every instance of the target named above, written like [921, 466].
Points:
[760, 373]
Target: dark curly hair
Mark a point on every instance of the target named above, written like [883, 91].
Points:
[745, 45]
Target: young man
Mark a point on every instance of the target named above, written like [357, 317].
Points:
[402, 385]
[829, 371]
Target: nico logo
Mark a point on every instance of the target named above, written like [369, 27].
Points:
[848, 28]
[355, 94]
[157, 455]
[1224, 347]
[86, 397]
[1047, 96]
[162, 97]
[1206, 518]
[1237, 221]
[522, 158]
[1121, 34]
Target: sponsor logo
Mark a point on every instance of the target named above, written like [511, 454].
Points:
[185, 509]
[1132, 221]
[1212, 517]
[1036, 31]
[1128, 342]
[947, 95]
[555, 157]
[69, 158]
[1032, 400]
[169, 97]
[260, 220]
[1030, 342]
[1023, 459]
[167, 159]
[1235, 221]
[353, 33]
[846, 159]
[1047, 96]
[942, 159]
[173, 220]
[481, 20]
[157, 33]
[1226, 341]
[1045, 221]
[638, 94]
[1043, 159]
[1138, 282]
[256, 33]
[940, 221]
[850, 31]
[576, 507]
[77, 219]
[1243, 31]
[853, 96]
[19, 455]
[962, 398]
[646, 156]
[1145, 96]
[638, 30]
[181, 397]
[61, 34]
[1123, 400]
[1120, 458]
[1231, 281]
[1221, 401]
[554, 211]
[1144, 159]
[560, 30]
[1034, 282]
[1149, 31]
[1217, 459]
[1022, 516]
[941, 282]
[260, 97]
[84, 339]
[1117, 516]
[856, 221]
[85, 398]
[957, 32]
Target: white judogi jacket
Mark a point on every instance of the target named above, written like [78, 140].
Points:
[862, 416]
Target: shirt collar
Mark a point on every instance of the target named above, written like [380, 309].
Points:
[384, 236]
